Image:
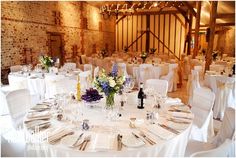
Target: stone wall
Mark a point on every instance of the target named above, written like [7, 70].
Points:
[25, 26]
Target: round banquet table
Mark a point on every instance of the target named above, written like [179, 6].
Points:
[167, 143]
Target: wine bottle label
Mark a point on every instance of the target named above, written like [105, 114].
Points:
[139, 102]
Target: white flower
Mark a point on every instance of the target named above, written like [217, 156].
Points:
[112, 83]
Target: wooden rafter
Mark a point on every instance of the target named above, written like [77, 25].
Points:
[226, 15]
[220, 24]
[117, 21]
[190, 8]
[181, 11]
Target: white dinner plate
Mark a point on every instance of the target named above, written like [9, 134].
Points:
[131, 141]
[70, 140]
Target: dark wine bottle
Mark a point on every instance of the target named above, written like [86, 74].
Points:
[141, 97]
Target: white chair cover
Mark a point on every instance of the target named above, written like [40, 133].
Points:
[96, 72]
[156, 72]
[69, 66]
[88, 67]
[227, 131]
[145, 71]
[51, 86]
[172, 77]
[160, 86]
[224, 150]
[186, 68]
[224, 95]
[122, 68]
[18, 102]
[203, 100]
[85, 80]
[36, 86]
[17, 82]
[16, 68]
[136, 75]
[193, 83]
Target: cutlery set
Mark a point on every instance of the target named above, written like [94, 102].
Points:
[169, 129]
[84, 143]
[59, 138]
[119, 142]
[150, 141]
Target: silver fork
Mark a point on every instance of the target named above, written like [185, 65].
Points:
[84, 144]
[75, 144]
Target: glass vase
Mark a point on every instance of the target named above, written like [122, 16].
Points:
[110, 100]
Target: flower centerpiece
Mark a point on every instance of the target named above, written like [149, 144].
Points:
[91, 96]
[46, 62]
[103, 53]
[126, 49]
[152, 50]
[110, 84]
[144, 55]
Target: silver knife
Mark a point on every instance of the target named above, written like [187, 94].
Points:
[77, 139]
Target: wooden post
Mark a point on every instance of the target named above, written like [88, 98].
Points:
[189, 34]
[213, 14]
[148, 32]
[196, 42]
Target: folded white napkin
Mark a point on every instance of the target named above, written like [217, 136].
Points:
[37, 123]
[172, 100]
[103, 142]
[38, 114]
[58, 133]
[181, 115]
[160, 132]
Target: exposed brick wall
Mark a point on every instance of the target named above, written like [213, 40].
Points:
[25, 25]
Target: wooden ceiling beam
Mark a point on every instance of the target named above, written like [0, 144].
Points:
[190, 8]
[183, 13]
[220, 24]
[150, 12]
[225, 15]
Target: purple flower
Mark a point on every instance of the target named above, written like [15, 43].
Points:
[91, 95]
[114, 71]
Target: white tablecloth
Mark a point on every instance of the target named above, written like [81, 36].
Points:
[35, 82]
[174, 146]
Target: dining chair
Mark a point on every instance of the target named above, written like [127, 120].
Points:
[220, 143]
[203, 100]
[16, 68]
[171, 77]
[224, 95]
[224, 150]
[192, 84]
[146, 72]
[88, 67]
[50, 84]
[12, 149]
[122, 68]
[160, 86]
[18, 102]
[69, 66]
